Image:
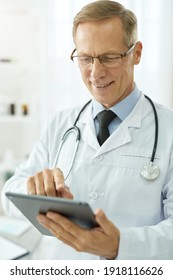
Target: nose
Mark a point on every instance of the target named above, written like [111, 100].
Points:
[97, 69]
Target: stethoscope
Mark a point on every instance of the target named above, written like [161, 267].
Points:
[149, 172]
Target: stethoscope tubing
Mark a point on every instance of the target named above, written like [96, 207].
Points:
[83, 108]
[73, 129]
[156, 130]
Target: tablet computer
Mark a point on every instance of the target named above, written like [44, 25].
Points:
[32, 205]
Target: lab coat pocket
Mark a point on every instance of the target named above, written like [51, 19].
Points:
[136, 160]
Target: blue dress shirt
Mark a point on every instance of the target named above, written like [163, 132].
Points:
[121, 109]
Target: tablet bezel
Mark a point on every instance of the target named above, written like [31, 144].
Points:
[31, 205]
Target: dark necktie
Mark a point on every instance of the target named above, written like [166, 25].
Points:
[104, 118]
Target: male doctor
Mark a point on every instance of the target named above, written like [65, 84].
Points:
[135, 215]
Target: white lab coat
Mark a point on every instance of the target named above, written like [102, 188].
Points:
[108, 177]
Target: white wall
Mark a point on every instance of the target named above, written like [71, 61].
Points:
[153, 75]
[21, 80]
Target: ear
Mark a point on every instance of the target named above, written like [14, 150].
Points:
[137, 53]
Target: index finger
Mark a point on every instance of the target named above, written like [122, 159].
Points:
[58, 177]
[31, 188]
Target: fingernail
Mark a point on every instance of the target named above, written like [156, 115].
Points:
[41, 220]
[60, 186]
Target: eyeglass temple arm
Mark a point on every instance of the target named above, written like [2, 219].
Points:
[71, 56]
[126, 53]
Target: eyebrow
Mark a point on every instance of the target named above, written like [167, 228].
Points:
[105, 53]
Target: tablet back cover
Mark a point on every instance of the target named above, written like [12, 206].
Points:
[31, 205]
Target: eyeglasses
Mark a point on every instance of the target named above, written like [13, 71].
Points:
[107, 60]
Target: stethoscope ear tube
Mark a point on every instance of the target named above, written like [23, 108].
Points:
[73, 129]
[83, 108]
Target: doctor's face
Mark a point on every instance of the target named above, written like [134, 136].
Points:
[108, 82]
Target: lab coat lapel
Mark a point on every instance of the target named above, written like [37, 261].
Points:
[122, 134]
[88, 133]
[119, 138]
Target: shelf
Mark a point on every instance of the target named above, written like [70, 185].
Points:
[15, 119]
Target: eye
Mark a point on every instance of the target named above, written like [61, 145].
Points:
[85, 59]
[109, 58]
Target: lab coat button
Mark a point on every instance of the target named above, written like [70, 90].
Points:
[99, 158]
[94, 195]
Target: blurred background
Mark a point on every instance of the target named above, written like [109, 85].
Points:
[37, 77]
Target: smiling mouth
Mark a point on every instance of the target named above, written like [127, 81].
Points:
[103, 86]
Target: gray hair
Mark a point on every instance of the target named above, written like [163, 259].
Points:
[104, 9]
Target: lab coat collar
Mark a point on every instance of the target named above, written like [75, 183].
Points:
[121, 136]
[88, 133]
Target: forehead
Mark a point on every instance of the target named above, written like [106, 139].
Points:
[104, 32]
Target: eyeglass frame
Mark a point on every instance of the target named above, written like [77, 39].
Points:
[121, 55]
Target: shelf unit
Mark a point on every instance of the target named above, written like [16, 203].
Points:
[15, 119]
[20, 75]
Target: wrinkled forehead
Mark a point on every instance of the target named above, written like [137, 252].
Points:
[107, 32]
[109, 24]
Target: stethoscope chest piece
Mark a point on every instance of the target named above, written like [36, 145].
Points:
[150, 171]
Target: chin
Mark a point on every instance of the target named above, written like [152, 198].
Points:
[104, 102]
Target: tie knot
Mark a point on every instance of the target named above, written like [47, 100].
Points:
[105, 117]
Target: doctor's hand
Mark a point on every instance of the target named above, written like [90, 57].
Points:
[49, 182]
[102, 240]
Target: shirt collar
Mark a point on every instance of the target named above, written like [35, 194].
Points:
[121, 109]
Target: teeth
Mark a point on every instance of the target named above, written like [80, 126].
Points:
[102, 86]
